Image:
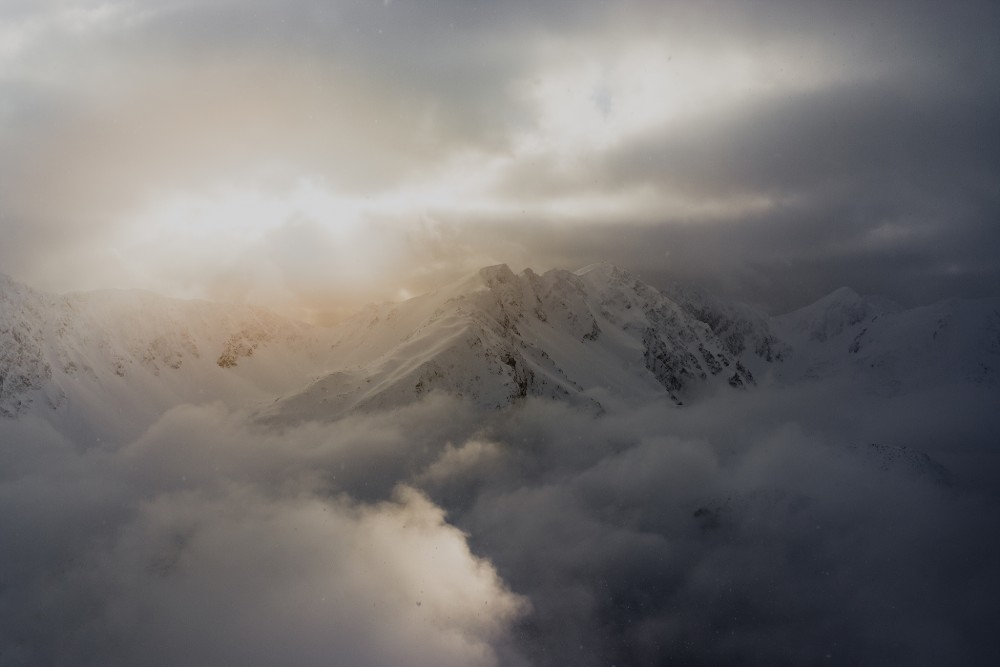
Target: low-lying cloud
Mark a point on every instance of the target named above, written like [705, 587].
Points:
[210, 542]
[758, 526]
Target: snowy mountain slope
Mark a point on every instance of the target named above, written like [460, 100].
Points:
[867, 341]
[107, 361]
[587, 337]
[746, 333]
[827, 318]
[113, 361]
[882, 347]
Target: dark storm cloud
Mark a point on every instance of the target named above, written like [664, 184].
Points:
[888, 180]
[846, 136]
[868, 136]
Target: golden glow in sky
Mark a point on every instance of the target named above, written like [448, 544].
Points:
[580, 110]
[321, 153]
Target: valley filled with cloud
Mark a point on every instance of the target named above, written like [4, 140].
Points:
[465, 332]
[814, 512]
[434, 534]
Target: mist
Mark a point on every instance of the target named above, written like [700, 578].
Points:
[763, 524]
[327, 161]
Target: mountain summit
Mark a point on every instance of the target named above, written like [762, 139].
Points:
[591, 336]
[598, 337]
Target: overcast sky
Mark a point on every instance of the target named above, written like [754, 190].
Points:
[313, 156]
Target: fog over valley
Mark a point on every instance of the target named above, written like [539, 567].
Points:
[516, 469]
[392, 333]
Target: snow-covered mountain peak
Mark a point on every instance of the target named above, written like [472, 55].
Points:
[840, 311]
[880, 347]
[594, 336]
[843, 294]
[741, 328]
[497, 274]
[585, 337]
[112, 360]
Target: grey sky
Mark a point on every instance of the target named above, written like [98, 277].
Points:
[315, 155]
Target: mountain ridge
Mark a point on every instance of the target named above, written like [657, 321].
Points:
[505, 336]
[595, 337]
[88, 358]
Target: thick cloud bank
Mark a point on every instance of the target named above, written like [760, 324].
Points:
[207, 542]
[756, 542]
[797, 526]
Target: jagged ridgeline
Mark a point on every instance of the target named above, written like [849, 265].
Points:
[588, 337]
[597, 337]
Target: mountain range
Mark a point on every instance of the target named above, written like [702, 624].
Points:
[109, 362]
[642, 474]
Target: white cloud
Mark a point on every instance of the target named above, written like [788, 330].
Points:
[212, 542]
[633, 534]
[244, 578]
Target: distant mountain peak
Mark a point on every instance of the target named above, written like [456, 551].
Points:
[842, 294]
[497, 273]
[584, 337]
[88, 358]
[595, 336]
[835, 313]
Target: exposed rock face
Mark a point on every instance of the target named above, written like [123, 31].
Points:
[243, 343]
[740, 328]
